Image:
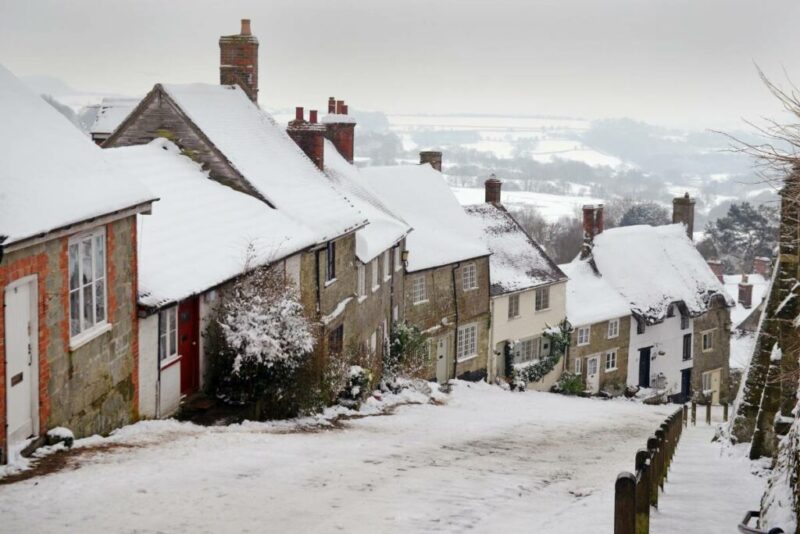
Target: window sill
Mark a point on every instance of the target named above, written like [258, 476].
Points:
[375, 288]
[514, 318]
[421, 302]
[330, 282]
[541, 310]
[361, 298]
[466, 358]
[611, 370]
[613, 337]
[583, 344]
[170, 362]
[85, 337]
[466, 289]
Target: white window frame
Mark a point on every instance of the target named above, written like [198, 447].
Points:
[467, 343]
[589, 363]
[611, 358]
[361, 280]
[376, 274]
[578, 361]
[330, 262]
[541, 295]
[513, 298]
[387, 265]
[708, 334]
[168, 331]
[613, 328]
[398, 256]
[529, 350]
[706, 381]
[588, 331]
[86, 332]
[419, 289]
[469, 277]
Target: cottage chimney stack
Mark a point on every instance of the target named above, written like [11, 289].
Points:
[309, 136]
[683, 212]
[238, 64]
[593, 221]
[493, 186]
[340, 128]
[761, 265]
[745, 293]
[432, 157]
[718, 269]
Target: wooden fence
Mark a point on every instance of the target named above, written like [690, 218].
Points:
[636, 493]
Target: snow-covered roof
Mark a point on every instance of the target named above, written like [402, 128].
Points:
[760, 288]
[51, 175]
[199, 232]
[337, 118]
[385, 228]
[655, 266]
[517, 261]
[590, 298]
[443, 233]
[110, 114]
[263, 153]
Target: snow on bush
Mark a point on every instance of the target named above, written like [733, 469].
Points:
[523, 374]
[408, 354]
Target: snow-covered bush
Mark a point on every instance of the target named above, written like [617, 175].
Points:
[569, 384]
[408, 355]
[521, 375]
[258, 340]
[357, 386]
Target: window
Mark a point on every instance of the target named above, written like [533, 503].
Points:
[87, 282]
[525, 350]
[387, 265]
[687, 346]
[684, 322]
[708, 341]
[513, 306]
[362, 280]
[591, 366]
[419, 292]
[330, 259]
[706, 382]
[611, 360]
[398, 263]
[376, 281]
[336, 340]
[583, 335]
[577, 366]
[542, 298]
[470, 277]
[167, 334]
[640, 326]
[467, 342]
[613, 328]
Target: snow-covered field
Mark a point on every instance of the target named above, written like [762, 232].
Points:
[551, 207]
[486, 460]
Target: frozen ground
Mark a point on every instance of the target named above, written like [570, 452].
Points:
[710, 486]
[487, 461]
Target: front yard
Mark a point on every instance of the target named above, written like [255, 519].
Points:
[484, 459]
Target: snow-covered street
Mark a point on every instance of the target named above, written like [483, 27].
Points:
[486, 460]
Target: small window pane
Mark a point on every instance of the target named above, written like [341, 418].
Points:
[173, 337]
[73, 266]
[100, 301]
[99, 257]
[74, 313]
[86, 261]
[88, 308]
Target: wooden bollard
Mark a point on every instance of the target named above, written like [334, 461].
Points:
[625, 504]
[652, 450]
[667, 452]
[725, 412]
[694, 413]
[660, 457]
[642, 501]
[708, 412]
[685, 415]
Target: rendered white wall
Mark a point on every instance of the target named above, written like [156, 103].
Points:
[666, 337]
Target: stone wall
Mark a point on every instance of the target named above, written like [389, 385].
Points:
[600, 344]
[718, 321]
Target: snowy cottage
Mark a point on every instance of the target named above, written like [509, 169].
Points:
[68, 238]
[680, 332]
[527, 289]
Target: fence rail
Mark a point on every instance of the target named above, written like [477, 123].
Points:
[636, 492]
[746, 529]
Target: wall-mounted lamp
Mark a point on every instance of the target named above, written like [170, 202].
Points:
[404, 257]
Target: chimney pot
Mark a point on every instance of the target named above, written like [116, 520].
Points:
[345, 109]
[331, 105]
[492, 187]
[434, 157]
[312, 116]
[299, 115]
[339, 106]
[246, 27]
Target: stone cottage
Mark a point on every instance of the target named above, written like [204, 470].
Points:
[68, 324]
[527, 291]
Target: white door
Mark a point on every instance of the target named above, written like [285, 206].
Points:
[593, 374]
[21, 372]
[441, 360]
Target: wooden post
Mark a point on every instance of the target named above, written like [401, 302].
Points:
[708, 412]
[660, 457]
[725, 412]
[685, 415]
[694, 413]
[625, 504]
[642, 500]
[667, 451]
[652, 449]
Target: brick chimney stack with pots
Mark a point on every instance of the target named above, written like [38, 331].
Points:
[432, 157]
[309, 136]
[340, 128]
[593, 225]
[238, 61]
[492, 187]
[718, 269]
[745, 292]
[683, 212]
[762, 266]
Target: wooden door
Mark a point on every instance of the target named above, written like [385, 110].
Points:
[441, 360]
[644, 367]
[21, 361]
[188, 344]
[686, 385]
[593, 373]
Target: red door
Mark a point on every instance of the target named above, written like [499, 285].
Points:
[188, 345]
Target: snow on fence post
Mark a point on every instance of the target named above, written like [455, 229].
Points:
[642, 500]
[625, 504]
[694, 413]
[708, 412]
[652, 448]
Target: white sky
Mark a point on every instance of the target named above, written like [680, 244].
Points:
[675, 62]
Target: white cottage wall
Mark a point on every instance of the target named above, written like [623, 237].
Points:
[666, 338]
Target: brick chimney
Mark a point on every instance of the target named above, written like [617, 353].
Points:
[762, 266]
[340, 128]
[433, 157]
[593, 223]
[238, 63]
[718, 269]
[683, 212]
[309, 136]
[493, 186]
[745, 292]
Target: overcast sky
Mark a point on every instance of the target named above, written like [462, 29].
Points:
[675, 62]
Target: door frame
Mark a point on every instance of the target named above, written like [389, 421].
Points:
[649, 365]
[33, 282]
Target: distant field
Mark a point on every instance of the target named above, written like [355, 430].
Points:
[551, 207]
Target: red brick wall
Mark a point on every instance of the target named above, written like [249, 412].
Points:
[135, 319]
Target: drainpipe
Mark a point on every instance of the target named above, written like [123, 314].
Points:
[316, 260]
[2, 239]
[455, 332]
